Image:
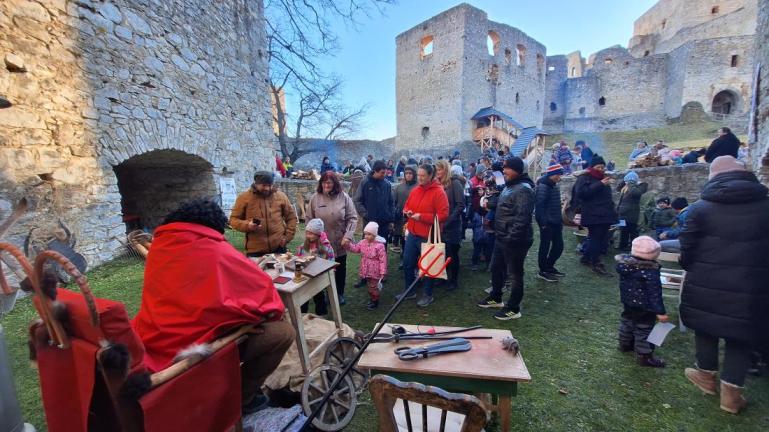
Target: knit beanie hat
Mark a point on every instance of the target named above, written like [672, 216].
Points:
[597, 160]
[456, 170]
[371, 228]
[631, 176]
[264, 177]
[315, 226]
[723, 164]
[645, 247]
[554, 169]
[514, 163]
[679, 203]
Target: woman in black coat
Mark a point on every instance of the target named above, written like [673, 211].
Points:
[594, 201]
[725, 251]
[451, 231]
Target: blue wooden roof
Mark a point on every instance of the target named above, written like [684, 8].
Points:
[524, 139]
[490, 111]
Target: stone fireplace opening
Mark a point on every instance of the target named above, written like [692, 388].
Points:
[153, 184]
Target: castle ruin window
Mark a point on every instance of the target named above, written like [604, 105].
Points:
[537, 105]
[520, 51]
[517, 98]
[735, 60]
[646, 53]
[602, 101]
[426, 46]
[508, 56]
[608, 60]
[550, 68]
[492, 42]
[725, 102]
[573, 71]
[540, 64]
[664, 23]
[714, 10]
[553, 107]
[582, 111]
[425, 132]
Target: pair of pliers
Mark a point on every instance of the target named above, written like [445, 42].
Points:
[453, 345]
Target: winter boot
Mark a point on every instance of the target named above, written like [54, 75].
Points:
[623, 347]
[705, 380]
[731, 398]
[648, 360]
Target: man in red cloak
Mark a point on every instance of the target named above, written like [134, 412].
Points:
[198, 287]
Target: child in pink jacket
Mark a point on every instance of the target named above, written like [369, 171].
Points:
[373, 261]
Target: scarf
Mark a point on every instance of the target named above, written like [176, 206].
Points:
[595, 173]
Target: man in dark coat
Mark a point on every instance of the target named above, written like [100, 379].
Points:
[598, 211]
[725, 295]
[374, 199]
[586, 154]
[726, 144]
[547, 212]
[514, 236]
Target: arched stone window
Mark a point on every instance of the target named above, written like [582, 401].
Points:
[553, 107]
[735, 60]
[725, 102]
[492, 42]
[508, 56]
[425, 132]
[573, 71]
[426, 46]
[520, 51]
[608, 60]
[602, 101]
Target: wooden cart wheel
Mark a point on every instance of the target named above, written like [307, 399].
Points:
[340, 408]
[339, 353]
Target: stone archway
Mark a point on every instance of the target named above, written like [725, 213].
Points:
[725, 102]
[154, 183]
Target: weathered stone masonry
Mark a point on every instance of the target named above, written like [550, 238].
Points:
[146, 102]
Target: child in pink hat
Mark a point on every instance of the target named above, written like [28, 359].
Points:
[641, 295]
[373, 261]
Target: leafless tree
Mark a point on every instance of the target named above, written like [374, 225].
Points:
[299, 33]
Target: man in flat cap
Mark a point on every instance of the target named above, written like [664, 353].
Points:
[265, 215]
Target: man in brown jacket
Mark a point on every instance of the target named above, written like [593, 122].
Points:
[265, 215]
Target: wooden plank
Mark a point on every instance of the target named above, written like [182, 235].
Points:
[486, 360]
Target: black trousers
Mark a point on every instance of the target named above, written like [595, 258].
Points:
[550, 246]
[452, 270]
[507, 266]
[736, 357]
[634, 327]
[279, 250]
[340, 277]
[597, 236]
[627, 234]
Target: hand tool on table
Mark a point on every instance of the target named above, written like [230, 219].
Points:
[450, 346]
[386, 337]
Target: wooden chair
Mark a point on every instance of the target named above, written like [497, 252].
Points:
[671, 277]
[86, 360]
[386, 391]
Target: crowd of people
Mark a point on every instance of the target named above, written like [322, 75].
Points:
[722, 239]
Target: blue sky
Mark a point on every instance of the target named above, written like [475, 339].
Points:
[366, 59]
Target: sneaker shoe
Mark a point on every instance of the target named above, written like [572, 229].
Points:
[506, 314]
[411, 296]
[372, 304]
[557, 273]
[648, 360]
[342, 301]
[425, 301]
[546, 277]
[489, 302]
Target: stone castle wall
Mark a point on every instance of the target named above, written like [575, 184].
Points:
[438, 93]
[760, 147]
[122, 101]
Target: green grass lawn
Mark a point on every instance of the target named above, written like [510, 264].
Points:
[568, 340]
[617, 145]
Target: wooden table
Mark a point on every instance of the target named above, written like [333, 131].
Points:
[295, 294]
[485, 369]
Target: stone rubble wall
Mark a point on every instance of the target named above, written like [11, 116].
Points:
[760, 148]
[95, 83]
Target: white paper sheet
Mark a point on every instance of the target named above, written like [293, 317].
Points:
[660, 332]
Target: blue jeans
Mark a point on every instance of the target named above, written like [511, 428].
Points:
[411, 252]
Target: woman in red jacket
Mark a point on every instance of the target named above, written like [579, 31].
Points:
[424, 202]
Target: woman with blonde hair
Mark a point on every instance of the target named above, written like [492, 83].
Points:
[451, 232]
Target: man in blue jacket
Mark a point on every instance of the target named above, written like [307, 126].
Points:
[547, 212]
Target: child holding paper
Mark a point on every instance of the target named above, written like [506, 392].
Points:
[373, 261]
[641, 296]
[316, 243]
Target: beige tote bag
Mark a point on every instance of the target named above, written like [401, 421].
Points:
[433, 254]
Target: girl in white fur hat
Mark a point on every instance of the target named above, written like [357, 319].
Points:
[373, 261]
[316, 243]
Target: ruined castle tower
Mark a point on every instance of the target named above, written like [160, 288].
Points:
[682, 53]
[456, 63]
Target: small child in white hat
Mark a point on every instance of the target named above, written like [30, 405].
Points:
[641, 295]
[316, 243]
[373, 261]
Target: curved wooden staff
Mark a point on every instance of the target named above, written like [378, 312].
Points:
[61, 339]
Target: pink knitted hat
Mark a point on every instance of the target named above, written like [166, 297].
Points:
[645, 247]
[371, 228]
[724, 164]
